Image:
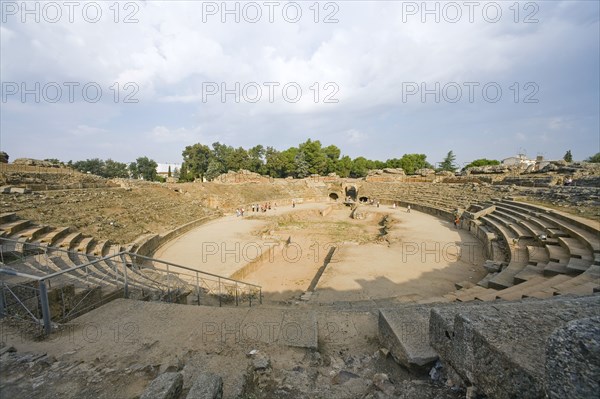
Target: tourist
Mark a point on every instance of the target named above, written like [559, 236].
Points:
[456, 221]
[408, 208]
[569, 181]
[394, 205]
[252, 207]
[293, 204]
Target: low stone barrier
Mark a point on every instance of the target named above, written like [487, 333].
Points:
[148, 244]
[326, 211]
[254, 264]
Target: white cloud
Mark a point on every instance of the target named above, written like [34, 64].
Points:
[171, 52]
[162, 134]
[84, 130]
[355, 137]
[521, 136]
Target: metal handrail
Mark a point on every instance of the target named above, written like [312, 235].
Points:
[119, 254]
[191, 270]
[44, 281]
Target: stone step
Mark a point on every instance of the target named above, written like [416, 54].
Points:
[70, 240]
[553, 268]
[101, 249]
[537, 255]
[471, 293]
[13, 227]
[506, 277]
[556, 253]
[582, 289]
[591, 239]
[86, 245]
[7, 217]
[404, 330]
[501, 348]
[485, 282]
[556, 232]
[590, 275]
[54, 236]
[529, 272]
[535, 284]
[575, 248]
[523, 289]
[578, 265]
[34, 232]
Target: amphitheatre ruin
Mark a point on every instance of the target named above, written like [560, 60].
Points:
[483, 285]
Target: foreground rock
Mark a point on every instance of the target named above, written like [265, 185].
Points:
[501, 347]
[573, 360]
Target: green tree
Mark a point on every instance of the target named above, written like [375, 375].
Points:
[196, 159]
[332, 154]
[314, 156]
[133, 170]
[568, 156]
[115, 169]
[344, 166]
[94, 166]
[360, 167]
[412, 162]
[183, 174]
[238, 159]
[224, 154]
[280, 163]
[301, 165]
[215, 168]
[448, 162]
[594, 158]
[482, 162]
[256, 156]
[146, 168]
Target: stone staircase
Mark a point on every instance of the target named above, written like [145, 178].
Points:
[81, 274]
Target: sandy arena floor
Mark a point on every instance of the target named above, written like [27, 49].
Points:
[421, 256]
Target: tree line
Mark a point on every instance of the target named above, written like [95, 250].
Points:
[201, 161]
[310, 157]
[143, 168]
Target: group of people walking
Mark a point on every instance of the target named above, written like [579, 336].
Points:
[263, 207]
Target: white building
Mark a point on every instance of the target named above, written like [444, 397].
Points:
[519, 160]
[163, 169]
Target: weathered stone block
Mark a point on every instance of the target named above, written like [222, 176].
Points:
[405, 331]
[573, 360]
[165, 386]
[501, 347]
[206, 386]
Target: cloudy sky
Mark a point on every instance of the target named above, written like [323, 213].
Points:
[379, 79]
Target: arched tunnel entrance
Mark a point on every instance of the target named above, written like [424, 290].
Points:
[351, 193]
[334, 196]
